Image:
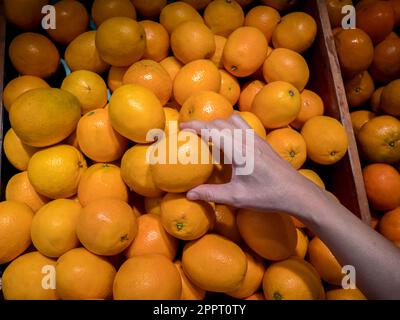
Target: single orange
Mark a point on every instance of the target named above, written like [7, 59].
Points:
[359, 89]
[311, 106]
[249, 91]
[105, 9]
[389, 225]
[173, 14]
[220, 42]
[263, 18]
[157, 40]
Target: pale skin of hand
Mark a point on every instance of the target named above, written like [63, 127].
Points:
[275, 186]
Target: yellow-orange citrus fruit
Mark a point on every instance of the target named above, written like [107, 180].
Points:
[15, 224]
[219, 49]
[171, 120]
[149, 9]
[311, 106]
[389, 98]
[174, 173]
[120, 41]
[230, 87]
[223, 17]
[359, 118]
[23, 278]
[225, 223]
[18, 86]
[263, 18]
[189, 290]
[157, 40]
[359, 89]
[135, 171]
[326, 139]
[82, 275]
[290, 145]
[33, 54]
[277, 104]
[212, 252]
[43, 117]
[254, 122]
[106, 9]
[106, 226]
[312, 176]
[102, 180]
[20, 189]
[271, 235]
[173, 14]
[94, 127]
[249, 91]
[134, 110]
[345, 294]
[139, 278]
[172, 66]
[115, 76]
[53, 227]
[244, 51]
[286, 65]
[24, 14]
[151, 75]
[302, 244]
[153, 204]
[185, 219]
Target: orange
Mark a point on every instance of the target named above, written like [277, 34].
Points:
[225, 222]
[172, 66]
[84, 275]
[263, 18]
[376, 18]
[149, 9]
[290, 145]
[311, 106]
[248, 93]
[185, 219]
[19, 86]
[53, 227]
[326, 139]
[359, 118]
[281, 5]
[15, 225]
[219, 49]
[189, 290]
[175, 173]
[335, 11]
[171, 120]
[396, 10]
[120, 41]
[257, 296]
[88, 87]
[271, 235]
[379, 139]
[23, 278]
[72, 20]
[173, 14]
[298, 224]
[55, 172]
[151, 75]
[134, 110]
[359, 89]
[345, 294]
[214, 263]
[277, 104]
[157, 40]
[198, 75]
[296, 31]
[389, 225]
[152, 238]
[390, 98]
[302, 244]
[153, 204]
[106, 226]
[17, 152]
[205, 106]
[95, 126]
[101, 180]
[198, 4]
[292, 279]
[115, 76]
[253, 278]
[312, 176]
[324, 262]
[244, 51]
[34, 54]
[222, 173]
[386, 64]
[139, 278]
[355, 51]
[381, 181]
[24, 14]
[105, 9]
[135, 171]
[254, 122]
[82, 54]
[20, 189]
[286, 65]
[192, 40]
[223, 16]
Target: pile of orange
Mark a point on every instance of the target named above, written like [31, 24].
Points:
[370, 60]
[88, 201]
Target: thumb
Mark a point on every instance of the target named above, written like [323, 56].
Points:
[211, 193]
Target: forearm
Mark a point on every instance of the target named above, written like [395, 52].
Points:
[375, 259]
